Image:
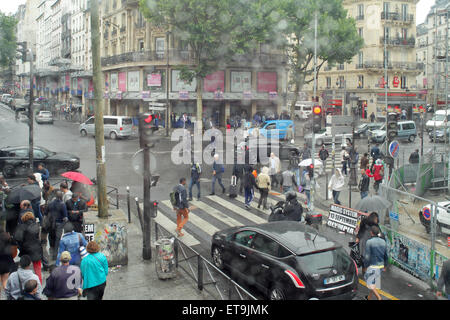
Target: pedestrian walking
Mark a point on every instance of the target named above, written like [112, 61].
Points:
[323, 155]
[275, 168]
[378, 173]
[364, 163]
[238, 172]
[336, 185]
[34, 179]
[363, 185]
[414, 157]
[71, 241]
[29, 242]
[372, 117]
[249, 184]
[307, 178]
[294, 161]
[45, 175]
[8, 250]
[375, 153]
[181, 206]
[57, 212]
[16, 281]
[305, 152]
[218, 170]
[94, 270]
[64, 283]
[444, 280]
[364, 233]
[376, 258]
[196, 171]
[263, 184]
[288, 181]
[289, 133]
[344, 160]
[76, 207]
[67, 194]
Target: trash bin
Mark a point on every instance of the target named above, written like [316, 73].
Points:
[165, 260]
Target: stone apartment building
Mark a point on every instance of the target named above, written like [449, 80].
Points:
[362, 81]
[432, 40]
[138, 63]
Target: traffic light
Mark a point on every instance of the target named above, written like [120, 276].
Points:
[147, 136]
[153, 208]
[22, 50]
[317, 118]
[392, 129]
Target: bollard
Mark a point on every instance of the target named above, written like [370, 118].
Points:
[200, 272]
[326, 185]
[139, 214]
[175, 249]
[128, 204]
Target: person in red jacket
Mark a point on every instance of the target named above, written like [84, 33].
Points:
[378, 173]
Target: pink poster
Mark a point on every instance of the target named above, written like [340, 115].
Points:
[91, 86]
[67, 81]
[267, 81]
[154, 80]
[123, 81]
[213, 81]
[106, 82]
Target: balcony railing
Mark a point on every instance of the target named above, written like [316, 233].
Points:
[409, 42]
[186, 56]
[379, 65]
[395, 16]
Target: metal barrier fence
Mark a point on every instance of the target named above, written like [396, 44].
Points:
[203, 272]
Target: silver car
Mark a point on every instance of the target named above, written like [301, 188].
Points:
[114, 127]
[44, 117]
[325, 137]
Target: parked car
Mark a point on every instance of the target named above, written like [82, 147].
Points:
[114, 127]
[324, 136]
[440, 136]
[439, 120]
[4, 97]
[273, 128]
[44, 117]
[14, 160]
[442, 218]
[363, 130]
[406, 131]
[286, 260]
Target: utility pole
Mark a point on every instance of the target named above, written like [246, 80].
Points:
[31, 115]
[167, 122]
[99, 106]
[313, 136]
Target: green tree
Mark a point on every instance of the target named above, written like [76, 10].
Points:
[216, 31]
[7, 40]
[338, 40]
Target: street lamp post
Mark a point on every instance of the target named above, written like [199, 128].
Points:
[167, 122]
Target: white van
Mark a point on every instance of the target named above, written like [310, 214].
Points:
[114, 127]
[303, 109]
[438, 120]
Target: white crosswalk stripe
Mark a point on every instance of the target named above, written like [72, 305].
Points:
[216, 213]
[199, 222]
[238, 210]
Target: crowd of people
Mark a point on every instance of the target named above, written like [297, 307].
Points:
[46, 233]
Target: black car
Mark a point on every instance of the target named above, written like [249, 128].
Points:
[14, 160]
[286, 260]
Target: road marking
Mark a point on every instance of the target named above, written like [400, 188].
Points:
[216, 213]
[387, 295]
[238, 210]
[199, 222]
[269, 201]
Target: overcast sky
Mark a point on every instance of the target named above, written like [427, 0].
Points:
[423, 7]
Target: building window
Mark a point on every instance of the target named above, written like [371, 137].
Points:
[386, 7]
[160, 47]
[360, 82]
[341, 82]
[141, 45]
[360, 12]
[404, 12]
[361, 32]
[328, 82]
[403, 82]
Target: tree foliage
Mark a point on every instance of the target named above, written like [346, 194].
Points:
[7, 40]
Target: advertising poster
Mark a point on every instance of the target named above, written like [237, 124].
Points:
[180, 85]
[154, 80]
[114, 82]
[133, 81]
[241, 81]
[122, 81]
[214, 81]
[267, 81]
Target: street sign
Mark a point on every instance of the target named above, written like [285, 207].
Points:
[341, 120]
[157, 108]
[394, 148]
[393, 216]
[341, 130]
[426, 214]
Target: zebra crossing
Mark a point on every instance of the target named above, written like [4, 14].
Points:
[213, 213]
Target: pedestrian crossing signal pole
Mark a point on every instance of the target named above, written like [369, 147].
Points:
[316, 108]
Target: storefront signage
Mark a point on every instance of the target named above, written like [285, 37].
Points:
[218, 95]
[214, 82]
[184, 95]
[180, 85]
[381, 83]
[273, 94]
[247, 95]
[154, 80]
[344, 219]
[395, 82]
[133, 81]
[119, 95]
[106, 95]
[145, 94]
[267, 81]
[241, 81]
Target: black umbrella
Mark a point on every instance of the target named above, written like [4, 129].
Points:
[28, 192]
[372, 203]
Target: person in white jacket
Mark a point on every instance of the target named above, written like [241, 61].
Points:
[336, 184]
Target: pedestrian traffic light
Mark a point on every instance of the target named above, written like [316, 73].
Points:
[391, 129]
[153, 208]
[147, 136]
[317, 118]
[22, 49]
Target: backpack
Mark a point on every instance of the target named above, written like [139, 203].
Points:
[174, 198]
